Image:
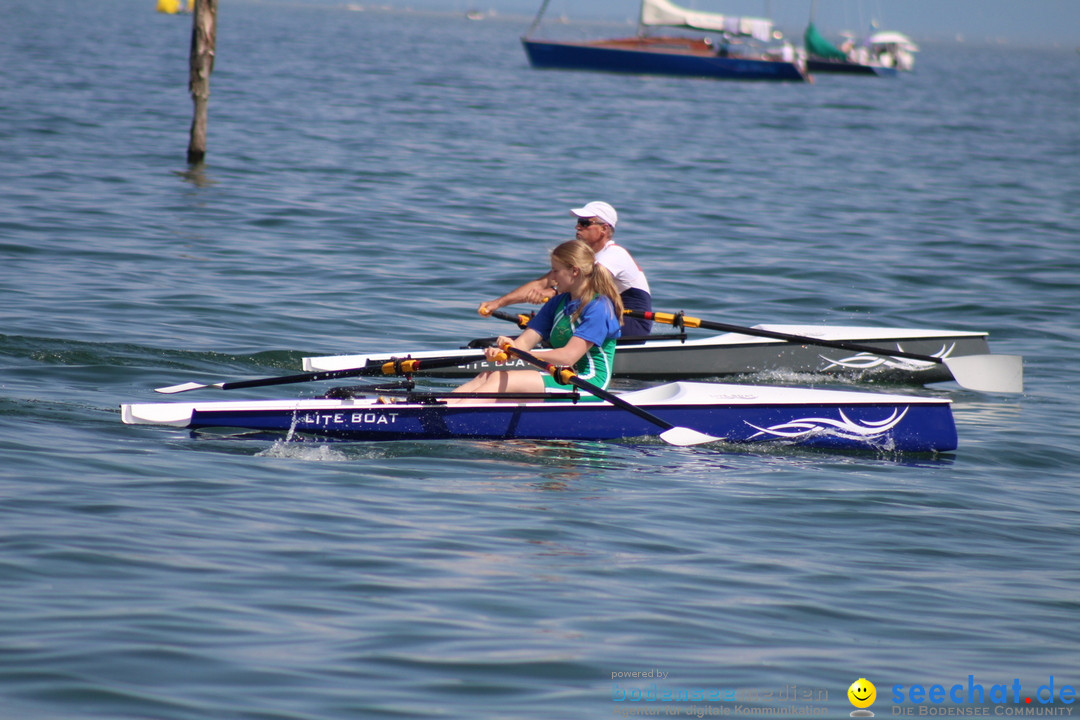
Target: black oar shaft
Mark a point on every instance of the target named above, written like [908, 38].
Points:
[567, 376]
[687, 321]
[300, 377]
[520, 320]
[396, 366]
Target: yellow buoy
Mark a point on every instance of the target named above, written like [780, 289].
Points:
[168, 6]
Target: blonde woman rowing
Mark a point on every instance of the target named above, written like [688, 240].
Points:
[581, 324]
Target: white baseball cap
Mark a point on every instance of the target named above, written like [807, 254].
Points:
[597, 209]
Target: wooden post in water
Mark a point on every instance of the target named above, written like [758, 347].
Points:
[203, 42]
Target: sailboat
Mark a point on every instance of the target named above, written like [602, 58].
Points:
[824, 57]
[882, 54]
[735, 49]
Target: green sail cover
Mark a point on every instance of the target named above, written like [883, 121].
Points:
[818, 46]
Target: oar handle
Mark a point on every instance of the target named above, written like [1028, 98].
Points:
[521, 320]
[407, 366]
[681, 320]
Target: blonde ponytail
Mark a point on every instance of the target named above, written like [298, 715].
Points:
[599, 281]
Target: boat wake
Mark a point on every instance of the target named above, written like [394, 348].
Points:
[295, 448]
[312, 452]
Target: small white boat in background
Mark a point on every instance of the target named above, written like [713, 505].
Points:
[892, 49]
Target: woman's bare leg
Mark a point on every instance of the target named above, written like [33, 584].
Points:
[500, 381]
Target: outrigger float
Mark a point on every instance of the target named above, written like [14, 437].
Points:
[681, 413]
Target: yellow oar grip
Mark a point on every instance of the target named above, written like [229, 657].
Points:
[400, 367]
[562, 375]
[671, 319]
[414, 365]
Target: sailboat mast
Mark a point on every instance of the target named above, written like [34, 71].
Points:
[536, 21]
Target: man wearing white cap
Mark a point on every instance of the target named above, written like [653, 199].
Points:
[595, 227]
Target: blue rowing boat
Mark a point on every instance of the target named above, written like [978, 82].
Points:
[740, 414]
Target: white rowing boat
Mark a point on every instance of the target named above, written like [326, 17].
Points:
[734, 353]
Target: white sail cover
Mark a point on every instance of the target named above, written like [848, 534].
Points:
[667, 14]
[893, 38]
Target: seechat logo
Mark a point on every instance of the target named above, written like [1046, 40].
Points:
[975, 693]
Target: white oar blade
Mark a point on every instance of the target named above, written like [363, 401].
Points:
[183, 387]
[988, 373]
[685, 436]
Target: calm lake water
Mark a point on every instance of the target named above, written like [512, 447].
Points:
[371, 178]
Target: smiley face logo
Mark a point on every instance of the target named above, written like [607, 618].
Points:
[862, 693]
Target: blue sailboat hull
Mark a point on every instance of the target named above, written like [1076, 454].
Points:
[816, 65]
[652, 58]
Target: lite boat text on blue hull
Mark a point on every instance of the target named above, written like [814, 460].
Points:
[739, 414]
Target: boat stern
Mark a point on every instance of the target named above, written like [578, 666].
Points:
[174, 414]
